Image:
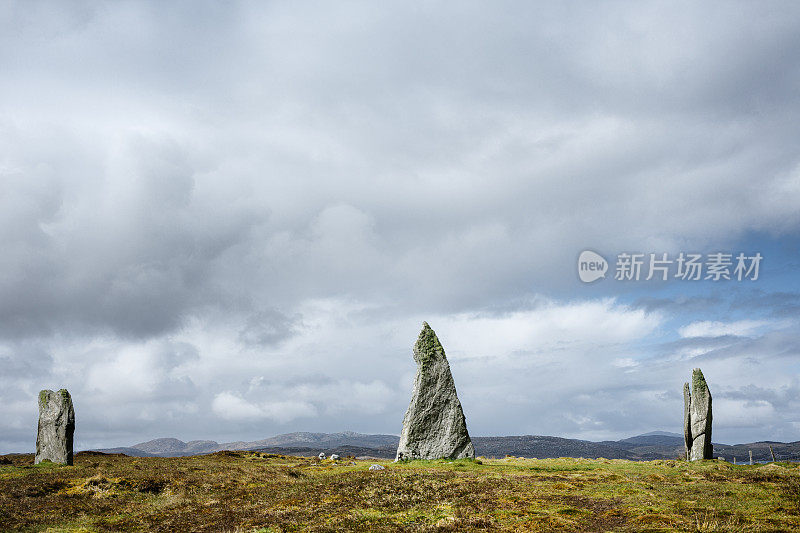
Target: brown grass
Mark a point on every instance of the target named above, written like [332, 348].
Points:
[244, 491]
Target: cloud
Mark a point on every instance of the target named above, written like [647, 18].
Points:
[741, 328]
[267, 327]
[679, 304]
[197, 195]
[780, 304]
[231, 407]
[148, 370]
[550, 327]
[743, 414]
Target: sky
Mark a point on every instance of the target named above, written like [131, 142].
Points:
[228, 220]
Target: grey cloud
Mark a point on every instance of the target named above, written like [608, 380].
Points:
[130, 256]
[24, 360]
[679, 304]
[784, 398]
[267, 327]
[779, 304]
[707, 344]
[174, 172]
[419, 162]
[774, 304]
[770, 346]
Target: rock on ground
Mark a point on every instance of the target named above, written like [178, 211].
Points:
[56, 427]
[697, 418]
[434, 425]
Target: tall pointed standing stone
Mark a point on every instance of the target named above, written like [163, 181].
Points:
[56, 427]
[434, 425]
[697, 418]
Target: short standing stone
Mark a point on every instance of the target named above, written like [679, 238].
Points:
[56, 427]
[697, 418]
[434, 426]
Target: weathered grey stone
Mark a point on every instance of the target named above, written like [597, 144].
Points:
[697, 418]
[434, 425]
[56, 427]
[334, 457]
[377, 467]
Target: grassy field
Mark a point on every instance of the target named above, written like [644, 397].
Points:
[244, 491]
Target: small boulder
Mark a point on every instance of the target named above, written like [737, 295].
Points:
[334, 457]
[377, 467]
[321, 456]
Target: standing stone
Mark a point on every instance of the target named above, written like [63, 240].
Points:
[56, 427]
[434, 425]
[697, 418]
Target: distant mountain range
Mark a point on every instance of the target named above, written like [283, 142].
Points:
[650, 446]
[171, 447]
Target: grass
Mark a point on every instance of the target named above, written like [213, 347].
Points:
[245, 491]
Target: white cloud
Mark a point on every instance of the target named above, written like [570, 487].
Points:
[550, 327]
[230, 406]
[348, 397]
[730, 414]
[740, 328]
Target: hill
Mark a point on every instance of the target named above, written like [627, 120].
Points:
[646, 447]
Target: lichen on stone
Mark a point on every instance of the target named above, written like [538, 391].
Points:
[427, 348]
[698, 380]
